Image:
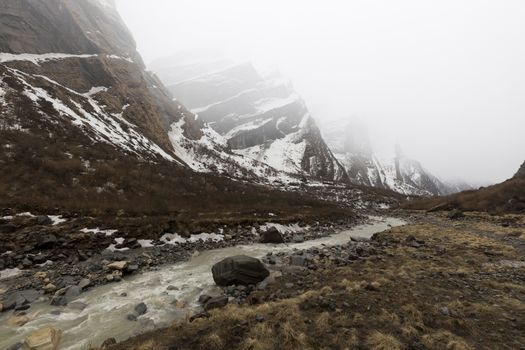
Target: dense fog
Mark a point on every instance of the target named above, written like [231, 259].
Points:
[444, 79]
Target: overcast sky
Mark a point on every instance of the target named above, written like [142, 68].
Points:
[445, 79]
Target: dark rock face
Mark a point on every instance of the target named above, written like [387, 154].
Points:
[141, 308]
[521, 172]
[256, 115]
[272, 235]
[215, 303]
[239, 269]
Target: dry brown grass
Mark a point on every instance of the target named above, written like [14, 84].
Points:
[381, 341]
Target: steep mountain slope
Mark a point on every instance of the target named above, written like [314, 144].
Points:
[506, 197]
[352, 147]
[521, 171]
[84, 126]
[258, 118]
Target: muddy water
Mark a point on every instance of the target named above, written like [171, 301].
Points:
[106, 311]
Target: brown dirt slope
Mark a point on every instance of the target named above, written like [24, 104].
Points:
[506, 197]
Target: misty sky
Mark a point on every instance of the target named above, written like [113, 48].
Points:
[445, 79]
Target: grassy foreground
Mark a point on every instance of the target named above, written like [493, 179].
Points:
[433, 284]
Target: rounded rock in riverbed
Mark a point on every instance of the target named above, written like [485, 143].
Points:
[141, 308]
[239, 270]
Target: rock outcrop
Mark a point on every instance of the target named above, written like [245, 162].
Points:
[258, 117]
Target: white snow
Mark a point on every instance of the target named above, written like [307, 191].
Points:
[41, 58]
[174, 238]
[145, 243]
[290, 228]
[104, 125]
[56, 219]
[95, 90]
[112, 247]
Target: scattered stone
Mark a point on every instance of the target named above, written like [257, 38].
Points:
[141, 308]
[124, 294]
[118, 265]
[444, 311]
[47, 242]
[202, 314]
[288, 285]
[50, 288]
[18, 321]
[16, 346]
[271, 235]
[215, 303]
[259, 318]
[43, 220]
[40, 274]
[108, 342]
[131, 317]
[172, 288]
[455, 214]
[77, 305]
[132, 268]
[85, 282]
[298, 238]
[298, 260]
[239, 269]
[204, 298]
[46, 338]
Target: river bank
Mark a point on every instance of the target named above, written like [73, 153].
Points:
[436, 284]
[116, 300]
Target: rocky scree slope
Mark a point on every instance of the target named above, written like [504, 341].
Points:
[257, 117]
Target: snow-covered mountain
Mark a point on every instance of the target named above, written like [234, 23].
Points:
[70, 72]
[257, 118]
[352, 147]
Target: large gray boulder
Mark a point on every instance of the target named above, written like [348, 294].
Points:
[239, 270]
[271, 235]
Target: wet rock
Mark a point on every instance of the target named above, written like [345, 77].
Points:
[204, 298]
[132, 268]
[46, 338]
[8, 228]
[455, 214]
[50, 288]
[118, 265]
[46, 242]
[202, 314]
[172, 288]
[16, 346]
[239, 270]
[141, 308]
[272, 235]
[43, 220]
[215, 303]
[131, 317]
[18, 321]
[298, 238]
[85, 282]
[77, 305]
[298, 260]
[108, 342]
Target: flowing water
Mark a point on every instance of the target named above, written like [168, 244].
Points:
[106, 311]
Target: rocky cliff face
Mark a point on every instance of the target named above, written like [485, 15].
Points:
[351, 145]
[258, 118]
[74, 63]
[521, 171]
